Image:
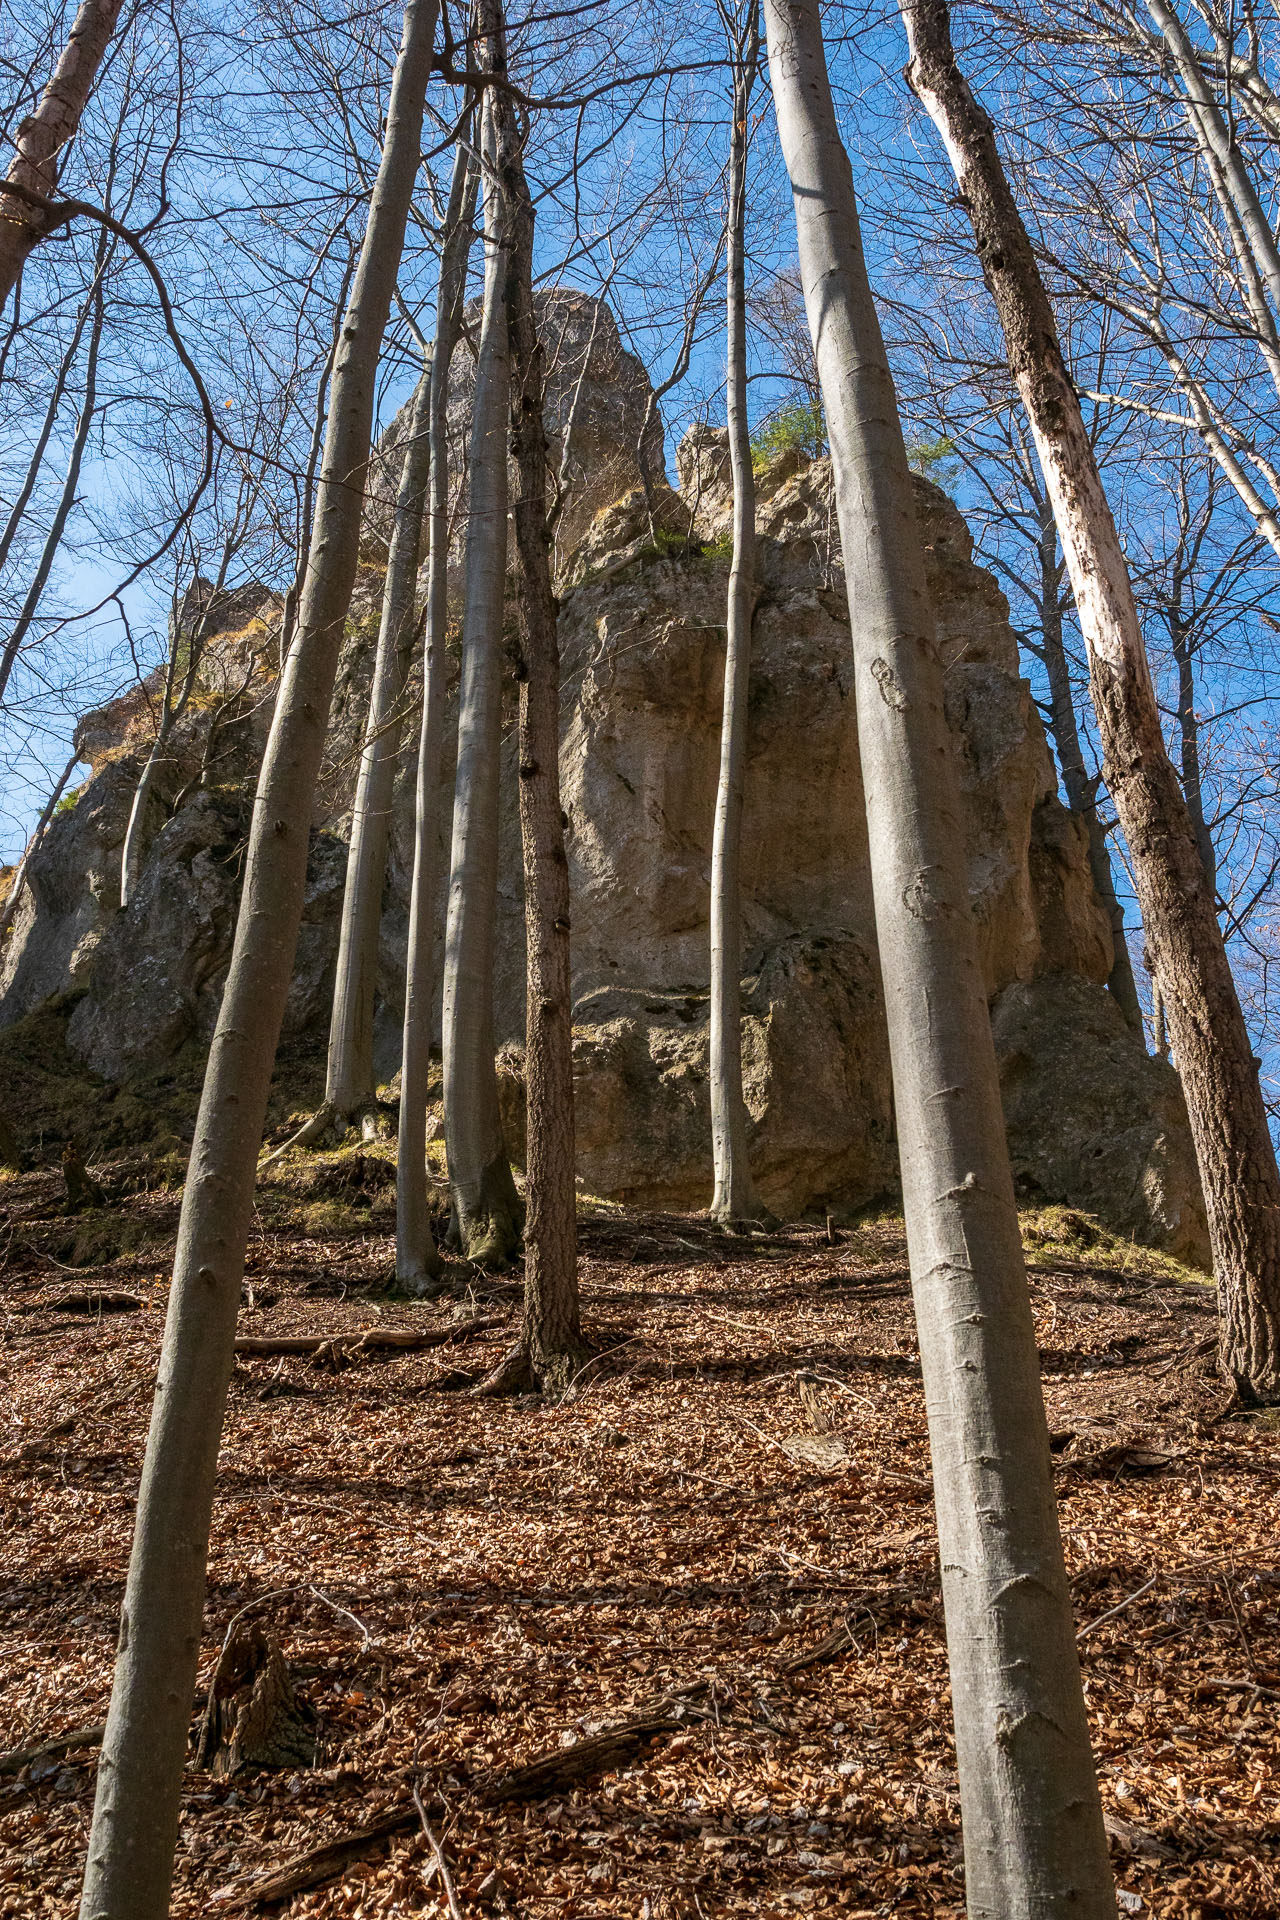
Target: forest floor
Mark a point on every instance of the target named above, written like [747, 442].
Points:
[734, 1506]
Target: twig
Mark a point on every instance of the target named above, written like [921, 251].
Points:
[1119, 1607]
[442, 1864]
[21, 1757]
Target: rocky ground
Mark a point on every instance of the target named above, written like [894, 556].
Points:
[727, 1526]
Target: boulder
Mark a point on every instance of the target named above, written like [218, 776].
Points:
[1093, 1121]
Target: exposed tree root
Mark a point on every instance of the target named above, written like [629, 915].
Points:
[339, 1348]
[522, 1370]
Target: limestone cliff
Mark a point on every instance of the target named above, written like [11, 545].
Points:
[1092, 1121]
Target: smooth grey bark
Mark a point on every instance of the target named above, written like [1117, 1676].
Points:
[1082, 790]
[44, 135]
[1211, 1044]
[67, 499]
[1215, 140]
[33, 847]
[349, 1079]
[417, 1262]
[135, 1819]
[485, 1204]
[734, 1197]
[1034, 1840]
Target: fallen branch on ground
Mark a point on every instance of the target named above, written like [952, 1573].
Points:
[85, 1300]
[20, 1757]
[371, 1340]
[310, 1869]
[309, 1130]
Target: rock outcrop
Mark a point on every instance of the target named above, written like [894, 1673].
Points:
[1093, 1122]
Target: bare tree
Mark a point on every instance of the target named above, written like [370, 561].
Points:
[486, 1206]
[1210, 1041]
[135, 1820]
[1034, 1838]
[43, 137]
[552, 1346]
[734, 1198]
[417, 1261]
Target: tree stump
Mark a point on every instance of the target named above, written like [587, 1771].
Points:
[254, 1718]
[82, 1189]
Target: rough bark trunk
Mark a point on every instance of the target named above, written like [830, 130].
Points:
[66, 501]
[417, 1262]
[349, 1078]
[734, 1197]
[44, 134]
[139, 1780]
[1210, 1042]
[552, 1332]
[1034, 1839]
[486, 1206]
[1082, 791]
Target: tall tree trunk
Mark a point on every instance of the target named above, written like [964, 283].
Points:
[1210, 1042]
[1255, 242]
[44, 134]
[14, 894]
[486, 1206]
[553, 1347]
[349, 1081]
[1034, 1839]
[135, 1817]
[23, 500]
[417, 1262]
[734, 1198]
[1082, 791]
[66, 500]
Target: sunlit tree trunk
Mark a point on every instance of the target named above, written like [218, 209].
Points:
[486, 1206]
[44, 135]
[734, 1198]
[135, 1818]
[417, 1262]
[1033, 1833]
[19, 880]
[1206, 1026]
[349, 1079]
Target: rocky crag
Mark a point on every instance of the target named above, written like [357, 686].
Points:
[1093, 1122]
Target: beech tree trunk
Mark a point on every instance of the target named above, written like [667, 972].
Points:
[1210, 1042]
[44, 134]
[553, 1347]
[349, 1079]
[417, 1262]
[734, 1198]
[1082, 791]
[135, 1818]
[486, 1206]
[1034, 1839]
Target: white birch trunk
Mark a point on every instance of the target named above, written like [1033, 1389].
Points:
[135, 1819]
[417, 1261]
[486, 1208]
[1034, 1840]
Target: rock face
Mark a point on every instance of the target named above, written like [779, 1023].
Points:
[1093, 1122]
